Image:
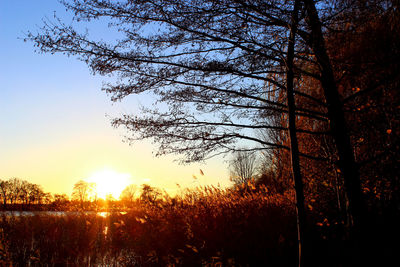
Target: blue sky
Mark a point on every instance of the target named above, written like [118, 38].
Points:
[53, 124]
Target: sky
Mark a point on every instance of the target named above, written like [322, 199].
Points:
[55, 121]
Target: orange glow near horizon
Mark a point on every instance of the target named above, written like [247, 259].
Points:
[55, 121]
[109, 182]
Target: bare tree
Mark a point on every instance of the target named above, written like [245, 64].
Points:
[61, 201]
[30, 193]
[81, 192]
[128, 195]
[335, 113]
[243, 167]
[149, 194]
[18, 191]
[294, 147]
[15, 185]
[213, 65]
[5, 191]
[213, 81]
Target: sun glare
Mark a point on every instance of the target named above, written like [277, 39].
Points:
[109, 182]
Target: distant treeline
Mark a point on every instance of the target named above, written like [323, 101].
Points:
[17, 194]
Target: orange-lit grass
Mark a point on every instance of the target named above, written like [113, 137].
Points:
[201, 227]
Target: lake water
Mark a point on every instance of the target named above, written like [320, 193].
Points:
[54, 213]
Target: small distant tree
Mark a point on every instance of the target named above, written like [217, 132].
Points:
[128, 195]
[60, 201]
[4, 192]
[47, 198]
[242, 167]
[24, 196]
[149, 194]
[81, 192]
[15, 189]
[37, 194]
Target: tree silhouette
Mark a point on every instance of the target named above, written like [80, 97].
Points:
[128, 195]
[219, 70]
[294, 147]
[242, 167]
[213, 82]
[5, 192]
[81, 192]
[214, 65]
[149, 194]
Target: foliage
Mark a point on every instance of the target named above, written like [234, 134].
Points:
[363, 43]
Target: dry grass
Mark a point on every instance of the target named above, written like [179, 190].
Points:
[204, 227]
[208, 226]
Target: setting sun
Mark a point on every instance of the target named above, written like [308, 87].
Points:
[109, 182]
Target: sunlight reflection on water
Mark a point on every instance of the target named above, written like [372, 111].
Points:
[103, 214]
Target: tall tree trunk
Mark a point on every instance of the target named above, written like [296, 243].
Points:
[294, 149]
[339, 130]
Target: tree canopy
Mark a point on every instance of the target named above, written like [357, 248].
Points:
[213, 66]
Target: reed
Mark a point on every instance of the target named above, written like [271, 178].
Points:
[205, 226]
